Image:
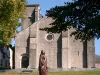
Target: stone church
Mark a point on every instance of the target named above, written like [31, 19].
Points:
[62, 50]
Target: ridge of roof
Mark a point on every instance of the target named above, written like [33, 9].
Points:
[32, 5]
[45, 17]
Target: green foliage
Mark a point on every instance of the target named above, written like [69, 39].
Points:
[82, 15]
[10, 12]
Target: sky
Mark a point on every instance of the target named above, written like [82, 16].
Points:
[47, 4]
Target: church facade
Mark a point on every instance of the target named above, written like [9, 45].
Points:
[62, 50]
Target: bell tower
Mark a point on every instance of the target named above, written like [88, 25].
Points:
[32, 14]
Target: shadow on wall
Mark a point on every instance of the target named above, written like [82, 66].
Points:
[59, 52]
[28, 44]
[32, 18]
[85, 54]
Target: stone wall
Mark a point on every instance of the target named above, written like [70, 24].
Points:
[33, 46]
[75, 48]
[21, 46]
[91, 54]
[62, 50]
[23, 43]
[65, 50]
[50, 47]
[81, 54]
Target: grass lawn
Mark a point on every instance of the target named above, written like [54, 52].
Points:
[57, 73]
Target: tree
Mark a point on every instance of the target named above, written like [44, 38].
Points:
[82, 15]
[10, 12]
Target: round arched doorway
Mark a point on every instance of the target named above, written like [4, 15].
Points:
[24, 61]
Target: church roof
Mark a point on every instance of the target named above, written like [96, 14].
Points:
[41, 19]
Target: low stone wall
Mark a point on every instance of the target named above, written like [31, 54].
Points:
[97, 68]
[57, 70]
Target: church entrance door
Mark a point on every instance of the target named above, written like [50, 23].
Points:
[24, 62]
